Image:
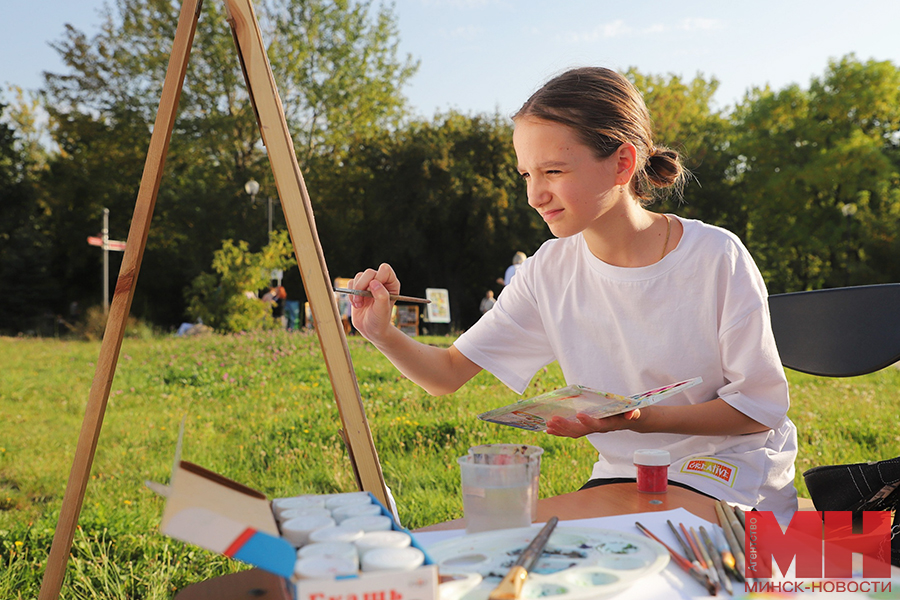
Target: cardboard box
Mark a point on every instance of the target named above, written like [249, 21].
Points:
[208, 510]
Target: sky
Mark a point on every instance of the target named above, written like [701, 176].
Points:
[486, 56]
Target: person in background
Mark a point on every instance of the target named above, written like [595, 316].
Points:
[487, 303]
[343, 303]
[625, 300]
[280, 295]
[269, 296]
[518, 260]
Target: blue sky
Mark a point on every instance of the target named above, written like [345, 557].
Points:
[487, 55]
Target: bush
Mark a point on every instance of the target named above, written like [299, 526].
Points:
[93, 325]
[226, 300]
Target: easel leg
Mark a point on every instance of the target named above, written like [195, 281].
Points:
[121, 304]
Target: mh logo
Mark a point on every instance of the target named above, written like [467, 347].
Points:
[821, 542]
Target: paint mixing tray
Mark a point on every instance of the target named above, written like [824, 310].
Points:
[577, 562]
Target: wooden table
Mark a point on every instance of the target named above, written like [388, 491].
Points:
[602, 501]
[610, 500]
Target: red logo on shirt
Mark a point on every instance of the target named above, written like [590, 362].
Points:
[713, 468]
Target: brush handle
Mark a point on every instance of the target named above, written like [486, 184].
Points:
[511, 586]
[394, 297]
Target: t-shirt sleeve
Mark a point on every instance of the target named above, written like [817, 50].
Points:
[510, 341]
[756, 384]
[755, 381]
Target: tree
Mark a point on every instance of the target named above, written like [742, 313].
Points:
[808, 160]
[226, 300]
[441, 201]
[28, 289]
[684, 120]
[104, 105]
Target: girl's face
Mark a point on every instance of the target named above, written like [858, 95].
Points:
[567, 184]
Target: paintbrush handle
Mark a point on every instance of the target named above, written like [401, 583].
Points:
[736, 549]
[511, 586]
[716, 558]
[693, 545]
[684, 547]
[733, 522]
[394, 297]
[689, 567]
[706, 559]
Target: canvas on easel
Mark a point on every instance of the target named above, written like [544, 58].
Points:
[307, 249]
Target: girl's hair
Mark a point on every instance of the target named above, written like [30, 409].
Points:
[605, 110]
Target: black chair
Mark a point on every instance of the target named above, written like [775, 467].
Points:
[840, 332]
[844, 332]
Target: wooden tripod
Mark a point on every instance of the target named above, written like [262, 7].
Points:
[307, 249]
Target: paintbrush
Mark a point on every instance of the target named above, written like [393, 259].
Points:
[693, 546]
[727, 556]
[511, 586]
[691, 569]
[368, 294]
[736, 549]
[710, 566]
[736, 526]
[684, 546]
[739, 513]
[716, 559]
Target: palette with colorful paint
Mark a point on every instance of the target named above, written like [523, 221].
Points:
[577, 562]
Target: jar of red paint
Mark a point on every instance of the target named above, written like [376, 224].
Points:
[652, 470]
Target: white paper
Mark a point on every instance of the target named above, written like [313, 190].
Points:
[670, 584]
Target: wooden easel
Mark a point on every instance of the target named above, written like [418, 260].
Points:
[307, 249]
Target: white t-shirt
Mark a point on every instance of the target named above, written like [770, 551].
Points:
[701, 311]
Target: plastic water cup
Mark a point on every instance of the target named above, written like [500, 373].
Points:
[504, 453]
[499, 490]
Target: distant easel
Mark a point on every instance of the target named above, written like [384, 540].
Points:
[301, 226]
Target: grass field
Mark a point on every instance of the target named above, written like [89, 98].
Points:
[259, 409]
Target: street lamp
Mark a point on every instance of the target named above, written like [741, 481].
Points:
[252, 189]
[848, 210]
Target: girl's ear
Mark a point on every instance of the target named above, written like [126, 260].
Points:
[626, 161]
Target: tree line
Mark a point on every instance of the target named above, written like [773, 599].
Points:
[808, 177]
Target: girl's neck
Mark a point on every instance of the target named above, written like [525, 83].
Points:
[629, 235]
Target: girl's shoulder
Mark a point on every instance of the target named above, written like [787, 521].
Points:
[699, 235]
[554, 253]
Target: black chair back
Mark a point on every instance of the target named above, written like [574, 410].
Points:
[839, 332]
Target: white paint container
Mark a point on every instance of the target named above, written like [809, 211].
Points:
[382, 539]
[369, 523]
[344, 550]
[346, 499]
[392, 559]
[279, 505]
[297, 530]
[342, 513]
[317, 567]
[338, 533]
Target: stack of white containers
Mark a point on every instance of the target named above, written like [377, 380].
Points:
[340, 534]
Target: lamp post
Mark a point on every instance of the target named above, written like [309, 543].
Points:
[848, 210]
[252, 189]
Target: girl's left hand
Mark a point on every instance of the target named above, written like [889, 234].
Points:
[584, 424]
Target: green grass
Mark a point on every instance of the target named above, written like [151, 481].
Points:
[259, 409]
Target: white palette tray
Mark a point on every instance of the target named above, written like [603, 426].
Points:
[577, 562]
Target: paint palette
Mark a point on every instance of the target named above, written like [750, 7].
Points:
[577, 562]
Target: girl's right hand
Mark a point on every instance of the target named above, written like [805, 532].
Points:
[372, 316]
